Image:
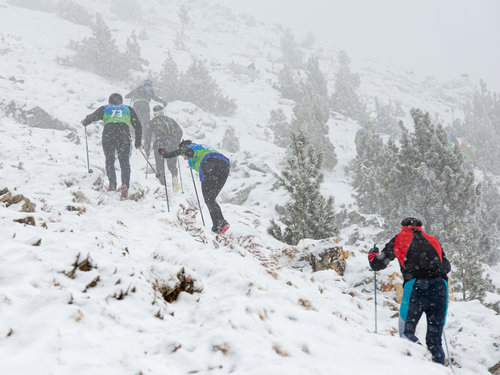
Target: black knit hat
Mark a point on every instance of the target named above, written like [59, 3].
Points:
[411, 222]
[115, 99]
[184, 142]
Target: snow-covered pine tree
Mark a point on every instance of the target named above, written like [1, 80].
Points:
[287, 85]
[292, 55]
[133, 53]
[489, 221]
[371, 156]
[168, 80]
[437, 187]
[309, 214]
[197, 86]
[311, 113]
[99, 53]
[426, 178]
[480, 127]
[468, 275]
[280, 127]
[344, 99]
[385, 122]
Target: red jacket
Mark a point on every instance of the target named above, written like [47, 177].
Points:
[419, 254]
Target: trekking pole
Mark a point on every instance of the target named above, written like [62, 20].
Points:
[375, 293]
[447, 350]
[87, 147]
[165, 182]
[180, 174]
[196, 191]
[147, 161]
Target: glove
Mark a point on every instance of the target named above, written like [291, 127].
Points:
[164, 103]
[162, 151]
[373, 253]
[138, 146]
[83, 123]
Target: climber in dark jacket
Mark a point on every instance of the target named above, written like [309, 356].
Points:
[213, 169]
[166, 133]
[141, 96]
[424, 267]
[117, 119]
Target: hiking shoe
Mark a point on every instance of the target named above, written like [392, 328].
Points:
[124, 192]
[175, 184]
[221, 228]
[112, 187]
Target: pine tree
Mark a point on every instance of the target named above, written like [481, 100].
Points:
[198, 86]
[345, 100]
[468, 276]
[365, 167]
[480, 128]
[99, 53]
[280, 127]
[385, 122]
[311, 113]
[308, 214]
[287, 85]
[169, 80]
[292, 55]
[133, 53]
[425, 177]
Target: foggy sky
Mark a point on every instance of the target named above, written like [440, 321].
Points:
[442, 38]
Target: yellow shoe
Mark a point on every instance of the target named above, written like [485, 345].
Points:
[175, 184]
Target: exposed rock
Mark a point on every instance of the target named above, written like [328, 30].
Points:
[28, 220]
[35, 117]
[240, 196]
[394, 283]
[320, 255]
[9, 200]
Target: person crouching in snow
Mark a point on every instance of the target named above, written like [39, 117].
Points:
[425, 289]
[213, 169]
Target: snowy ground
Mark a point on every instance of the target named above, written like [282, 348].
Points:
[255, 313]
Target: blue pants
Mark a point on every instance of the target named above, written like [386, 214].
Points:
[429, 295]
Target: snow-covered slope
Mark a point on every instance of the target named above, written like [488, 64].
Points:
[81, 290]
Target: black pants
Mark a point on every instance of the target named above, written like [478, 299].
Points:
[171, 162]
[429, 295]
[215, 172]
[144, 114]
[117, 141]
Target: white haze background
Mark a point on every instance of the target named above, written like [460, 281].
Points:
[444, 38]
